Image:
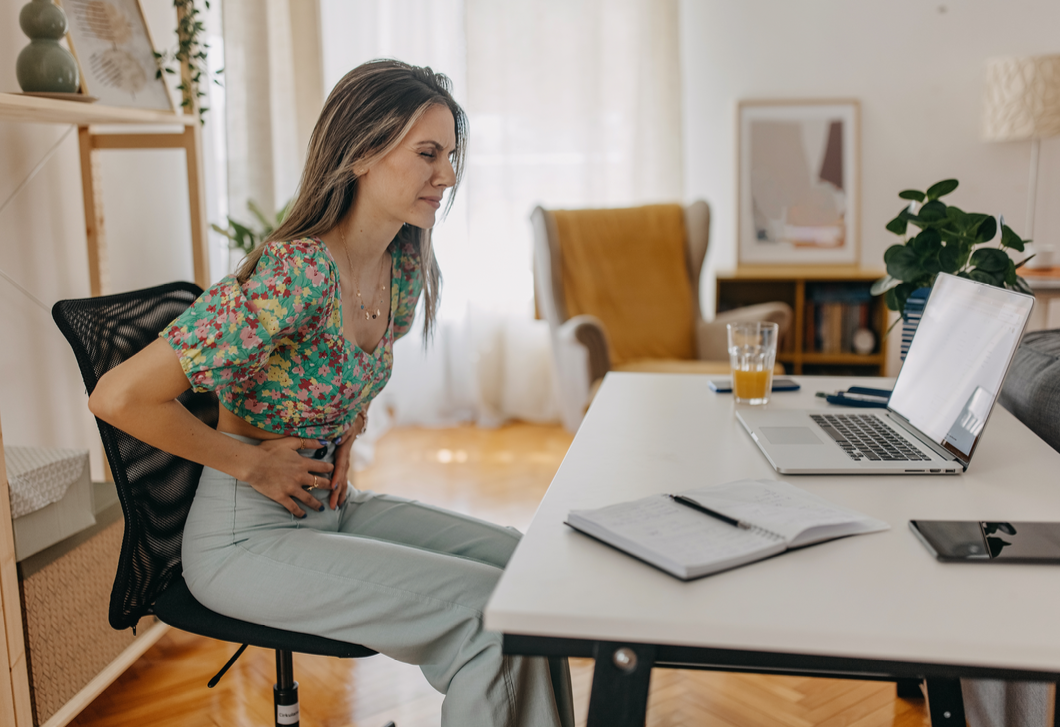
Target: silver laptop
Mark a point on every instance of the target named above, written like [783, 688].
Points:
[944, 393]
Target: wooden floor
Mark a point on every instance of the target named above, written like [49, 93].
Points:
[499, 475]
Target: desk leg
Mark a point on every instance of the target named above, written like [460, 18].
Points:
[620, 684]
[908, 688]
[945, 702]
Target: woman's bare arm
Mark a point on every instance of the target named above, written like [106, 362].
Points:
[139, 397]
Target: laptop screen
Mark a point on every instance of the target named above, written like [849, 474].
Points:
[958, 359]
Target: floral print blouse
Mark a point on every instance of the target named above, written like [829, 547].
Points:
[273, 349]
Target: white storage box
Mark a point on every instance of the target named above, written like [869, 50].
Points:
[51, 496]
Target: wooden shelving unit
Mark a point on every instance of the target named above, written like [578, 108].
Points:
[759, 284]
[165, 131]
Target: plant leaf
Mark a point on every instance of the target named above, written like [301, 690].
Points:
[890, 298]
[941, 189]
[958, 216]
[932, 211]
[898, 224]
[1021, 286]
[884, 284]
[983, 276]
[1011, 239]
[1010, 273]
[259, 214]
[986, 230]
[990, 260]
[950, 258]
[1023, 262]
[912, 194]
[928, 242]
[223, 231]
[903, 263]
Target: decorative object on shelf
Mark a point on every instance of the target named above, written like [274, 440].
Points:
[946, 243]
[798, 182]
[113, 46]
[190, 53]
[864, 341]
[44, 66]
[1022, 101]
[834, 313]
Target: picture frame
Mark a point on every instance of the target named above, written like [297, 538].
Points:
[798, 182]
[112, 44]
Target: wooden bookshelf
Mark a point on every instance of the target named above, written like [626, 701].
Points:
[40, 110]
[760, 284]
[127, 129]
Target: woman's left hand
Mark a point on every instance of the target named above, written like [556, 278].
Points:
[339, 479]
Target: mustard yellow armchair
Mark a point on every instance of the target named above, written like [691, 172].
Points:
[620, 291]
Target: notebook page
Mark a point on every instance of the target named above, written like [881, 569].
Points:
[661, 526]
[783, 509]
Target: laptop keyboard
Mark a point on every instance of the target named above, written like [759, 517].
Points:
[864, 436]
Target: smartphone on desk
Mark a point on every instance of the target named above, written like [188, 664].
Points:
[724, 386]
[975, 541]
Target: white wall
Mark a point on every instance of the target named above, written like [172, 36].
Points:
[42, 246]
[916, 67]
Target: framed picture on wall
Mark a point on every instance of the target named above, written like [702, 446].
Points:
[113, 47]
[798, 182]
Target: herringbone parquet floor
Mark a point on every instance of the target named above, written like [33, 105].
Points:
[498, 475]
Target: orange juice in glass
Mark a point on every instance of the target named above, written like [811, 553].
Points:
[752, 354]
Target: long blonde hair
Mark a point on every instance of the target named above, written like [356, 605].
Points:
[366, 115]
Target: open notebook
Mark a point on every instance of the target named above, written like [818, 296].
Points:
[688, 543]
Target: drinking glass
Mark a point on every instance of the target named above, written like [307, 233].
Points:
[752, 354]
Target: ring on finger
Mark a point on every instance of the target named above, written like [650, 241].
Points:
[314, 485]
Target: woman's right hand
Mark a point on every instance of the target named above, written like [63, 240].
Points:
[281, 474]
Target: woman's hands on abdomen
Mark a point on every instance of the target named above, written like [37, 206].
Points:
[281, 474]
[139, 397]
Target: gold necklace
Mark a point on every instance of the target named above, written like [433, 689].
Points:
[368, 315]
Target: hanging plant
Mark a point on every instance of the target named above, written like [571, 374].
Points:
[190, 54]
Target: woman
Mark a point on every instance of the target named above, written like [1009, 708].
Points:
[296, 346]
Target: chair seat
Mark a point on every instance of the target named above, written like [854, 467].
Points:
[178, 608]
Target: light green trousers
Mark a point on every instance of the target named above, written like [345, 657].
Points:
[403, 578]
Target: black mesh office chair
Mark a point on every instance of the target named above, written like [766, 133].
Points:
[156, 490]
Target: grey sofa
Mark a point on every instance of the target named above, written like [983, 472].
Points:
[1032, 393]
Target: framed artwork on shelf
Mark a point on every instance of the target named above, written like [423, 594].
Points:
[798, 182]
[113, 47]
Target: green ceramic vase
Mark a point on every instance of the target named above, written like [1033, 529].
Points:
[44, 66]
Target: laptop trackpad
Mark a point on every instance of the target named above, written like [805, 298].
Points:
[790, 435]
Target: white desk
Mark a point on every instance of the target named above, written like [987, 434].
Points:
[876, 606]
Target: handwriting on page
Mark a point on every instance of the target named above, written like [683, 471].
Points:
[776, 506]
[679, 532]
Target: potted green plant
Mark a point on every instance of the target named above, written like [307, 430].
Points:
[244, 238]
[949, 240]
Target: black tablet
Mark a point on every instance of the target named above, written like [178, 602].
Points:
[972, 541]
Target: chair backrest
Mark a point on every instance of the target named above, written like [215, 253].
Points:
[155, 488]
[635, 269]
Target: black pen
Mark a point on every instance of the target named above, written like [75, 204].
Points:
[688, 502]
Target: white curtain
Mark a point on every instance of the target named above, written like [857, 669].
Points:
[274, 91]
[572, 103]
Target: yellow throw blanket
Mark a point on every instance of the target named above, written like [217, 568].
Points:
[628, 267]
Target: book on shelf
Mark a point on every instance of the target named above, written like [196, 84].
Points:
[721, 526]
[833, 314]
